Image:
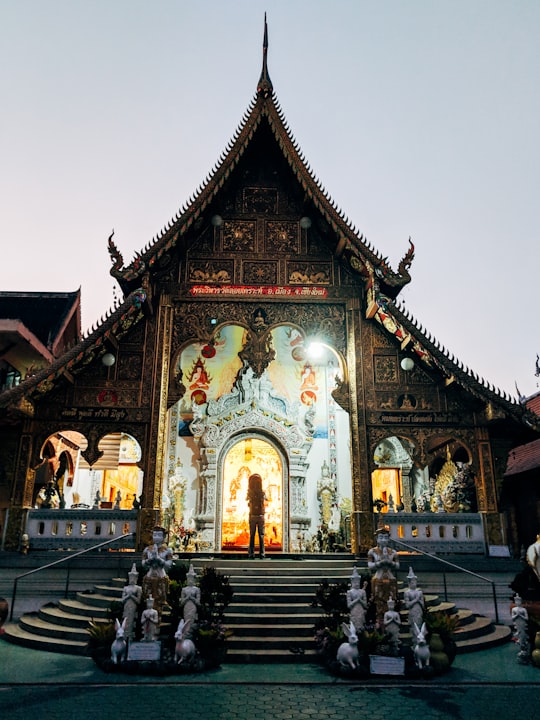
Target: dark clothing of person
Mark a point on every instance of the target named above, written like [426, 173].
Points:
[256, 524]
[256, 502]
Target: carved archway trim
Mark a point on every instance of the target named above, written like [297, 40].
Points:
[252, 409]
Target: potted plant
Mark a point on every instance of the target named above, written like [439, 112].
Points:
[441, 627]
[211, 634]
[101, 637]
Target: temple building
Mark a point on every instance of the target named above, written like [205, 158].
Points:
[260, 333]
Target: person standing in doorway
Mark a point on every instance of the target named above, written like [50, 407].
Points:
[256, 501]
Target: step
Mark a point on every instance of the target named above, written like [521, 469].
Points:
[443, 606]
[17, 635]
[271, 618]
[256, 642]
[269, 598]
[312, 582]
[94, 599]
[271, 615]
[53, 614]
[273, 608]
[478, 626]
[32, 623]
[271, 631]
[110, 590]
[270, 655]
[498, 635]
[76, 607]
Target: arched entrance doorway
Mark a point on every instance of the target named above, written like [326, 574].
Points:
[289, 407]
[247, 455]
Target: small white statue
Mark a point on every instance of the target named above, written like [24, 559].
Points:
[347, 654]
[392, 623]
[131, 599]
[149, 621]
[190, 598]
[119, 646]
[422, 653]
[185, 649]
[520, 618]
[334, 523]
[413, 600]
[357, 601]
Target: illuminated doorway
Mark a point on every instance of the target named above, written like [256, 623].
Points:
[251, 455]
[386, 487]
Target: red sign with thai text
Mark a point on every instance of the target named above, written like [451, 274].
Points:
[260, 290]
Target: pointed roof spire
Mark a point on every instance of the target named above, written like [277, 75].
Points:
[264, 86]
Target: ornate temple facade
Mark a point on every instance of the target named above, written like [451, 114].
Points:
[261, 332]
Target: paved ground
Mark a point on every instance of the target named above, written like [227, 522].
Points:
[50, 686]
[278, 702]
[484, 684]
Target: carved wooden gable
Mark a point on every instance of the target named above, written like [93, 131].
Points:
[262, 230]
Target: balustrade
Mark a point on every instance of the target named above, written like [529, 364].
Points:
[439, 532]
[74, 529]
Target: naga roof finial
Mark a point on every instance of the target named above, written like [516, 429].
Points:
[264, 86]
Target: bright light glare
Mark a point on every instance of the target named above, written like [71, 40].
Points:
[315, 349]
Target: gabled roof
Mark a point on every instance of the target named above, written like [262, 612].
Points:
[45, 315]
[533, 403]
[362, 257]
[422, 346]
[523, 458]
[94, 345]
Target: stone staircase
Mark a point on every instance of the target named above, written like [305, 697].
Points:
[270, 616]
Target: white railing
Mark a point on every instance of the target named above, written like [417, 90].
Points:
[75, 529]
[438, 532]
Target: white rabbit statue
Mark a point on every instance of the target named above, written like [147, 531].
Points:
[422, 653]
[347, 654]
[185, 649]
[119, 646]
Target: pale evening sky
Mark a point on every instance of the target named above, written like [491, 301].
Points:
[420, 118]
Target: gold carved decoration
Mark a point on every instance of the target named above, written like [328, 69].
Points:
[254, 273]
[341, 394]
[239, 236]
[260, 200]
[166, 315]
[92, 454]
[282, 237]
[385, 369]
[312, 274]
[211, 272]
[193, 322]
[258, 352]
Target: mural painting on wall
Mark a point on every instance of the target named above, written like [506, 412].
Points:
[213, 372]
[447, 484]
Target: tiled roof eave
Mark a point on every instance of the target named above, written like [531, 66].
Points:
[452, 368]
[90, 346]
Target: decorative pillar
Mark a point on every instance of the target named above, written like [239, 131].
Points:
[157, 371]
